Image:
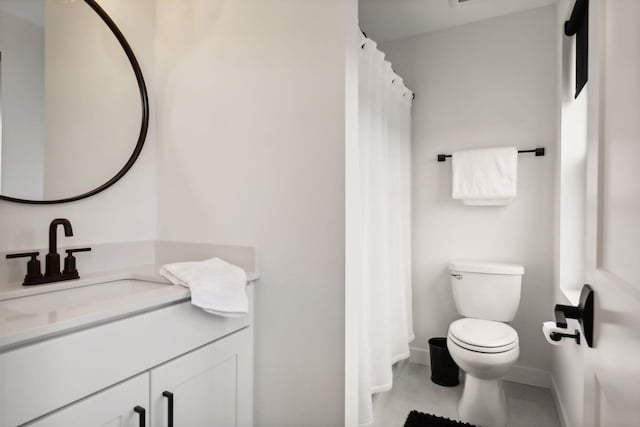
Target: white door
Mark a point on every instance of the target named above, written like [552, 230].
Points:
[209, 387]
[123, 405]
[612, 368]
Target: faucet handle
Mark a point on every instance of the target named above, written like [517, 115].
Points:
[70, 262]
[34, 276]
[73, 251]
[23, 255]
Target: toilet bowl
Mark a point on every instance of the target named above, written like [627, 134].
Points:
[483, 346]
[485, 350]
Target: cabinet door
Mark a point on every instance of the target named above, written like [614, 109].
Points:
[209, 387]
[113, 407]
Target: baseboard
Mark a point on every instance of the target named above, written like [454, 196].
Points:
[562, 413]
[419, 356]
[517, 374]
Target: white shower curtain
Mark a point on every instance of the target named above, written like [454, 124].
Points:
[385, 174]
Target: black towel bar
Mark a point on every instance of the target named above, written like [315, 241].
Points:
[538, 151]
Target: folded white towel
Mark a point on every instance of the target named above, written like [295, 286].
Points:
[485, 177]
[216, 286]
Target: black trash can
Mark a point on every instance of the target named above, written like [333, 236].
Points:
[444, 370]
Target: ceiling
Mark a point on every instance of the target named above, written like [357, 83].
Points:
[385, 20]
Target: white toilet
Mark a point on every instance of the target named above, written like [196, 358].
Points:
[485, 348]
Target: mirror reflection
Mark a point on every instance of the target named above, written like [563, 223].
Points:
[70, 108]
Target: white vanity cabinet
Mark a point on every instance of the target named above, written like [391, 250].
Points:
[113, 407]
[209, 387]
[96, 375]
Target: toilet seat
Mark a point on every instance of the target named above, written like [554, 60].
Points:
[483, 336]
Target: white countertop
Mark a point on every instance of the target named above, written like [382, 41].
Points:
[33, 313]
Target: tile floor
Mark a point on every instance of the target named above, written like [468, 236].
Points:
[412, 389]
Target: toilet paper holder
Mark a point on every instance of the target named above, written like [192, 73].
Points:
[583, 313]
[557, 336]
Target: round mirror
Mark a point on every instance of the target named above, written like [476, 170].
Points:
[74, 109]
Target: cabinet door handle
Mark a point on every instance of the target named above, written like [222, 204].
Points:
[141, 414]
[169, 397]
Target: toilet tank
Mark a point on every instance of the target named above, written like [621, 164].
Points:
[486, 290]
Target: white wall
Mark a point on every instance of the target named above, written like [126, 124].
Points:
[491, 83]
[21, 106]
[125, 212]
[353, 239]
[251, 152]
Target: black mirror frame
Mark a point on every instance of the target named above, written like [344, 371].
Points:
[144, 97]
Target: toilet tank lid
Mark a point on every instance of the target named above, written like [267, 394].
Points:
[486, 267]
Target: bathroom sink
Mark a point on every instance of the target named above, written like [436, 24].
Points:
[83, 299]
[32, 316]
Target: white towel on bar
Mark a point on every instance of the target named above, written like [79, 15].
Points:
[485, 177]
[216, 286]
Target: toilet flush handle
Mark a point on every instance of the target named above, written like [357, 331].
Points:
[457, 276]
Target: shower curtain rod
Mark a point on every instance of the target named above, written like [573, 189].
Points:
[413, 94]
[539, 152]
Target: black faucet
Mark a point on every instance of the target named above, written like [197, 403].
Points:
[52, 261]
